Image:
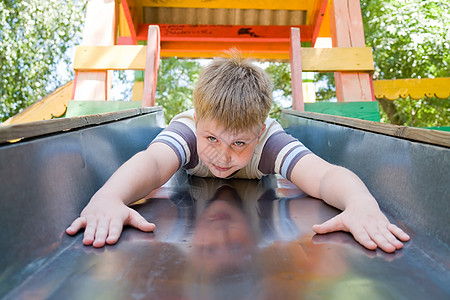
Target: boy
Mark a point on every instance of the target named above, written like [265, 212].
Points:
[228, 135]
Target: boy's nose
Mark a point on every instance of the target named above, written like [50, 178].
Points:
[226, 155]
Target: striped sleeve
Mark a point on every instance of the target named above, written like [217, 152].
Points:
[280, 154]
[181, 139]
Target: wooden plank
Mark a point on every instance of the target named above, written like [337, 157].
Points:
[92, 58]
[325, 26]
[85, 108]
[130, 17]
[91, 85]
[365, 110]
[238, 4]
[137, 91]
[151, 66]
[100, 29]
[347, 31]
[51, 106]
[17, 132]
[435, 137]
[337, 59]
[225, 33]
[318, 17]
[295, 53]
[414, 88]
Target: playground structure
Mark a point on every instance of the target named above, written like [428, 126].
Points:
[51, 168]
[114, 31]
[50, 174]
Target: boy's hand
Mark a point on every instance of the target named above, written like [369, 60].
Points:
[369, 226]
[104, 220]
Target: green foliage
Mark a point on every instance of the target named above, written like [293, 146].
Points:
[410, 39]
[282, 88]
[176, 81]
[281, 76]
[34, 37]
[425, 112]
[325, 86]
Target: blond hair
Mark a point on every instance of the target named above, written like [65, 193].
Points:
[233, 92]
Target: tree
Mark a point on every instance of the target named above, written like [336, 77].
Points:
[34, 38]
[176, 80]
[410, 39]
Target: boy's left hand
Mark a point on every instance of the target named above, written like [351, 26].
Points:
[369, 226]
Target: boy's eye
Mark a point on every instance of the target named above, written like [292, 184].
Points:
[211, 139]
[239, 143]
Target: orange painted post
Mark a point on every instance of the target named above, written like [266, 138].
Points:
[318, 21]
[129, 9]
[151, 66]
[270, 42]
[296, 70]
[347, 31]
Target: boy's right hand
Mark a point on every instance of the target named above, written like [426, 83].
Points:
[103, 221]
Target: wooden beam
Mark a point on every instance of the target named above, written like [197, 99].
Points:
[414, 88]
[100, 28]
[231, 4]
[17, 132]
[206, 41]
[295, 54]
[130, 14]
[347, 31]
[151, 66]
[96, 58]
[429, 136]
[325, 26]
[318, 19]
[51, 106]
[228, 33]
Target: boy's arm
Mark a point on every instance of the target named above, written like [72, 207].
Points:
[107, 211]
[361, 215]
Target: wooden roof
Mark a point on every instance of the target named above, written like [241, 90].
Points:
[198, 28]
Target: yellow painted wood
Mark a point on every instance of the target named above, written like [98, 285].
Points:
[337, 59]
[52, 106]
[239, 4]
[110, 57]
[91, 58]
[124, 30]
[137, 91]
[414, 88]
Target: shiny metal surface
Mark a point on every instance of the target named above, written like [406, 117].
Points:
[410, 180]
[235, 239]
[215, 239]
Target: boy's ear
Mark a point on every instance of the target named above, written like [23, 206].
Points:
[195, 119]
[261, 132]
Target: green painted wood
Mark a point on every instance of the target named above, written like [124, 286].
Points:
[85, 108]
[367, 110]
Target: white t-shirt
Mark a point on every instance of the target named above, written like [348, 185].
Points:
[276, 153]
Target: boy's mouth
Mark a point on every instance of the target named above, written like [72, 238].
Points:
[221, 169]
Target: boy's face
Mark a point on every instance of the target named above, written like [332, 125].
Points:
[222, 151]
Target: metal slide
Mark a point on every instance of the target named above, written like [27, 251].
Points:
[219, 239]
